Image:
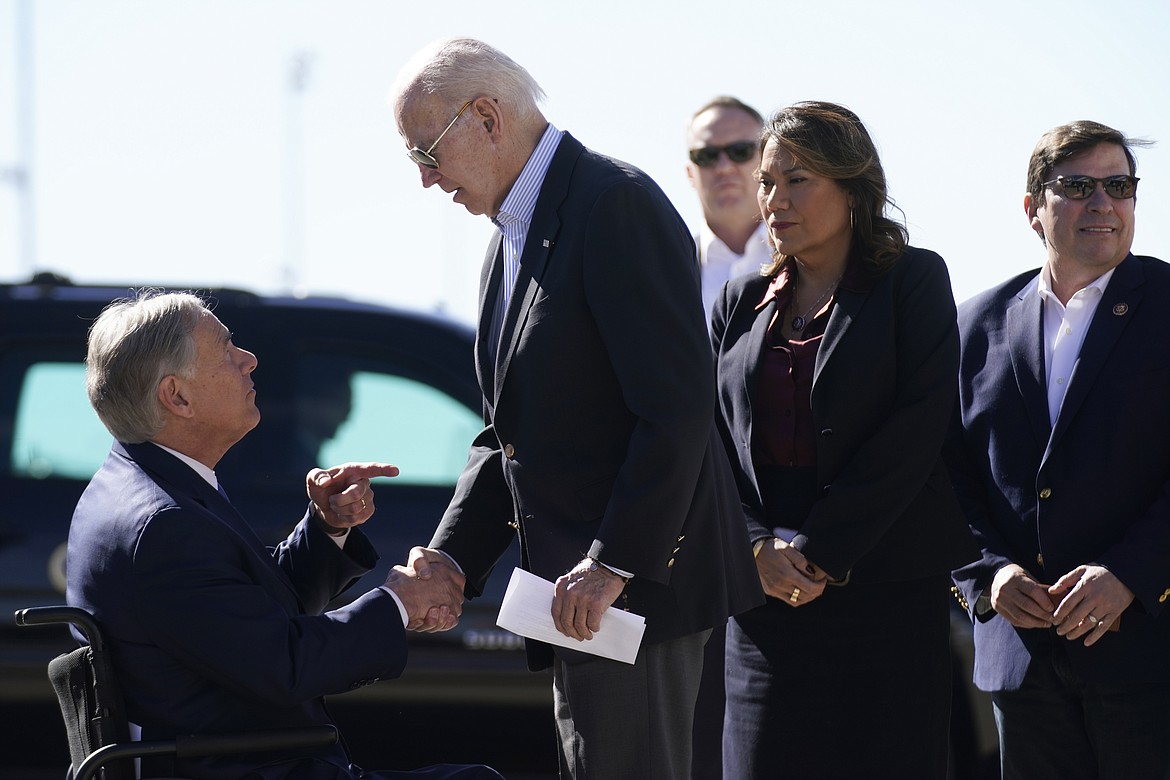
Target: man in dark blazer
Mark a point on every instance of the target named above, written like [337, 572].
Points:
[1061, 460]
[209, 631]
[599, 448]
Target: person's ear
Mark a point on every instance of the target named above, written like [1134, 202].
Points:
[173, 397]
[487, 113]
[1031, 208]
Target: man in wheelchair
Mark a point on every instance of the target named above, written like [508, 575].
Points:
[209, 631]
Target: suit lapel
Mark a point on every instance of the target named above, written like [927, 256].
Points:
[1025, 334]
[845, 310]
[1119, 303]
[753, 352]
[538, 246]
[752, 359]
[183, 484]
[489, 291]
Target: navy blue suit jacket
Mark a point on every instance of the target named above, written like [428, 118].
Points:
[600, 438]
[211, 632]
[1093, 488]
[882, 395]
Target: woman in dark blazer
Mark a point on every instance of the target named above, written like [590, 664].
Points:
[837, 375]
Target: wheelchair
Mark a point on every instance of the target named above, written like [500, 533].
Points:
[95, 716]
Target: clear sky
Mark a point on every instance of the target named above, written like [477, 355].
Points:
[169, 146]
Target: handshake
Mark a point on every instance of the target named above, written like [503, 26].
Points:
[430, 588]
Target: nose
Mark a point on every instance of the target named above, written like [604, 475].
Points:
[248, 361]
[1099, 201]
[724, 163]
[775, 200]
[430, 176]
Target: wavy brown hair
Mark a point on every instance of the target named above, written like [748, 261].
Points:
[830, 140]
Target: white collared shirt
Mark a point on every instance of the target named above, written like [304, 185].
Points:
[718, 264]
[1064, 332]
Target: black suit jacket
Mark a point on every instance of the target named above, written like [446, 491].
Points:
[599, 437]
[211, 632]
[1095, 487]
[882, 394]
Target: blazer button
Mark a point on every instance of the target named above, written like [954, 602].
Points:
[1165, 595]
[826, 433]
[670, 563]
[1046, 493]
[509, 451]
[1040, 559]
[513, 525]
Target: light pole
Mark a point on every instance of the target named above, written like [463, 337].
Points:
[294, 172]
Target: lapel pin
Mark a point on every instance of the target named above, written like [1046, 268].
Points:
[1120, 309]
[547, 243]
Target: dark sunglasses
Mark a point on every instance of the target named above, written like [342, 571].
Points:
[738, 152]
[1081, 187]
[426, 159]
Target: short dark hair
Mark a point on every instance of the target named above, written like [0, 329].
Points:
[831, 141]
[1065, 141]
[726, 101]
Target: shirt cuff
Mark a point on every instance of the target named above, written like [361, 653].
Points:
[454, 562]
[398, 601]
[339, 540]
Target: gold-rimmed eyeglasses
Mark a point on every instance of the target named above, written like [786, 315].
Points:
[426, 159]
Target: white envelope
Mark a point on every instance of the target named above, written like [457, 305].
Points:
[527, 611]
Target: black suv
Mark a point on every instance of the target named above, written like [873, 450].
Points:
[336, 381]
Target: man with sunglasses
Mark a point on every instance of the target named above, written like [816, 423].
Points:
[723, 150]
[1061, 457]
[599, 448]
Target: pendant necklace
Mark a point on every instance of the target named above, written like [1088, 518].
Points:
[800, 320]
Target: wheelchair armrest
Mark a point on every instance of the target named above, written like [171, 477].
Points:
[199, 745]
[254, 742]
[40, 616]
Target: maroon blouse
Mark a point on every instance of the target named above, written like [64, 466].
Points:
[782, 418]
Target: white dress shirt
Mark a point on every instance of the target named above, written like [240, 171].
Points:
[718, 264]
[1064, 332]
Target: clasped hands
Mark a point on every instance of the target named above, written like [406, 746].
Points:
[787, 575]
[429, 586]
[1087, 602]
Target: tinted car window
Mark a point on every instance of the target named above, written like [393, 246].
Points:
[368, 415]
[55, 432]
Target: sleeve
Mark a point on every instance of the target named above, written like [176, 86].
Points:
[642, 287]
[319, 569]
[475, 529]
[754, 519]
[975, 578]
[198, 591]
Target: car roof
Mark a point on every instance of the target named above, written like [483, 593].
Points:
[48, 286]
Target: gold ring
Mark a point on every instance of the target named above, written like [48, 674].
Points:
[363, 505]
[1093, 620]
[795, 595]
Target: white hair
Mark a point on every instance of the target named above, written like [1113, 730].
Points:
[461, 69]
[133, 344]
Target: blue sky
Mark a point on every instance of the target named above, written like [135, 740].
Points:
[168, 146]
